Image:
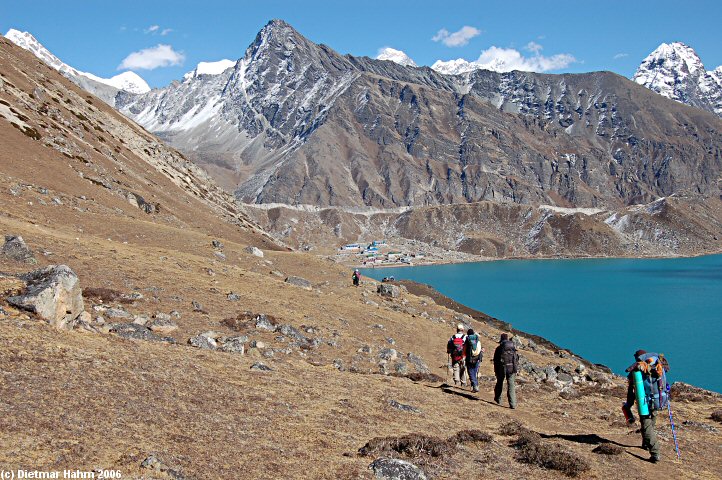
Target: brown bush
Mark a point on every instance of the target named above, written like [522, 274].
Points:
[107, 295]
[512, 428]
[717, 416]
[553, 457]
[411, 445]
[420, 377]
[468, 436]
[608, 449]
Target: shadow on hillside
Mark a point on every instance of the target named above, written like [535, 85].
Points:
[585, 438]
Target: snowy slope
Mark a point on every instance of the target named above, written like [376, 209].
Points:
[396, 56]
[126, 81]
[210, 68]
[675, 71]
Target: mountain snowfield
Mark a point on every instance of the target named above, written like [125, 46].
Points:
[396, 56]
[127, 81]
[674, 70]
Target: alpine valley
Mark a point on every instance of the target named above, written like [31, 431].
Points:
[336, 148]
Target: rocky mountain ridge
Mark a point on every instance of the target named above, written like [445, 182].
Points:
[297, 123]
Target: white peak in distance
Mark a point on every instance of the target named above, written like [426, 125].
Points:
[128, 81]
[210, 68]
[454, 67]
[668, 63]
[396, 56]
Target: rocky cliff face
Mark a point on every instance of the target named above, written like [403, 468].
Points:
[294, 122]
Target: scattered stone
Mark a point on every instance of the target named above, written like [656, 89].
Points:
[263, 322]
[261, 367]
[141, 319]
[371, 303]
[292, 332]
[388, 354]
[418, 363]
[699, 426]
[580, 369]
[364, 349]
[254, 251]
[565, 377]
[299, 282]
[235, 344]
[403, 407]
[133, 331]
[53, 293]
[387, 290]
[154, 463]
[233, 297]
[395, 469]
[175, 314]
[205, 341]
[276, 273]
[401, 368]
[390, 341]
[16, 249]
[162, 325]
[197, 307]
[220, 256]
[216, 244]
[161, 316]
[117, 313]
[258, 344]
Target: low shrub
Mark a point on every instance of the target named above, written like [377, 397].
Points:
[717, 416]
[553, 457]
[608, 449]
[469, 436]
[411, 445]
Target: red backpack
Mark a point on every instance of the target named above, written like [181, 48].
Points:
[456, 347]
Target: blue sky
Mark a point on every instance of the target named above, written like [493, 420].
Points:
[98, 35]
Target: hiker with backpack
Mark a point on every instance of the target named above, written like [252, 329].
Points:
[506, 366]
[356, 277]
[474, 354]
[648, 387]
[455, 349]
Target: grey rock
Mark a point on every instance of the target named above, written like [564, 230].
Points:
[390, 341]
[118, 313]
[220, 255]
[257, 344]
[16, 249]
[53, 293]
[338, 364]
[418, 363]
[233, 297]
[299, 282]
[153, 462]
[401, 368]
[580, 368]
[365, 349]
[254, 251]
[133, 331]
[403, 407]
[235, 344]
[265, 323]
[175, 314]
[388, 354]
[565, 377]
[261, 367]
[216, 244]
[550, 373]
[203, 341]
[161, 316]
[395, 469]
[268, 353]
[197, 307]
[162, 325]
[292, 332]
[387, 290]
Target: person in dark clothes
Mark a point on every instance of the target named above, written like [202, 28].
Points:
[506, 366]
[356, 278]
[474, 356]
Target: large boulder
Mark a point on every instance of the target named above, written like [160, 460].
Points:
[395, 469]
[299, 282]
[254, 251]
[387, 290]
[53, 293]
[16, 249]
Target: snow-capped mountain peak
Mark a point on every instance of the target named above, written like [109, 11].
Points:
[210, 68]
[127, 81]
[396, 56]
[674, 70]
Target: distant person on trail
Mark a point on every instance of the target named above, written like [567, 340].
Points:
[648, 387]
[474, 354]
[506, 366]
[455, 349]
[356, 277]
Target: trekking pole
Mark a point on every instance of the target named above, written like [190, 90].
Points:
[671, 421]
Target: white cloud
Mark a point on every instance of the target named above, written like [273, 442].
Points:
[152, 58]
[507, 59]
[533, 47]
[458, 38]
[620, 55]
[151, 29]
[166, 31]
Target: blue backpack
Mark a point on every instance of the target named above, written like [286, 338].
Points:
[654, 368]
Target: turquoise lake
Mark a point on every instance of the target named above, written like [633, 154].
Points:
[601, 309]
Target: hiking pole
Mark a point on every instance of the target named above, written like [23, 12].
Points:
[671, 421]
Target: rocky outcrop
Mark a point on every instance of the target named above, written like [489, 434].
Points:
[395, 469]
[299, 282]
[16, 249]
[53, 293]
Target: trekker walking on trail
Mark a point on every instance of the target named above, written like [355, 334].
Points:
[474, 354]
[356, 277]
[648, 387]
[455, 349]
[506, 366]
